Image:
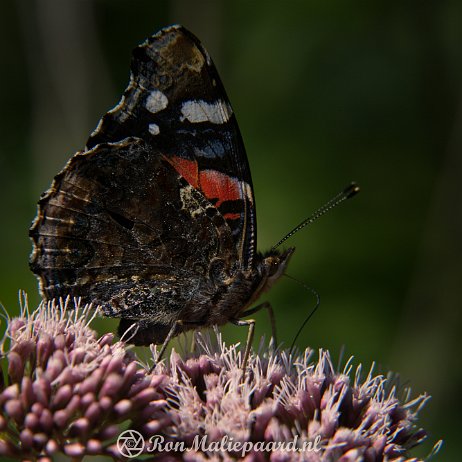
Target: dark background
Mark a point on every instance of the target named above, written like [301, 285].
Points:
[325, 93]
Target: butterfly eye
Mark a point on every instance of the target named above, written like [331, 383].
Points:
[273, 267]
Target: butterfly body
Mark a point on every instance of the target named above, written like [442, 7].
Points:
[155, 220]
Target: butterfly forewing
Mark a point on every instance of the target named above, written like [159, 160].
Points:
[176, 103]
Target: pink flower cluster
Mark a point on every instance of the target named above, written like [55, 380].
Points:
[69, 392]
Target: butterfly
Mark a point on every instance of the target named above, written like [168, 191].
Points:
[154, 221]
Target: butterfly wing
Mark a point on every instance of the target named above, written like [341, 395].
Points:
[176, 103]
[121, 228]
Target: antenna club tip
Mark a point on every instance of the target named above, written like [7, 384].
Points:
[351, 190]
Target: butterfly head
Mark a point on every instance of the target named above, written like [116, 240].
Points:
[273, 265]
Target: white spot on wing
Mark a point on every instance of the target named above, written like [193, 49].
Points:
[156, 101]
[154, 129]
[197, 111]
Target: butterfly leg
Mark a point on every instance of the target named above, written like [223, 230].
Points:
[173, 332]
[250, 323]
[269, 308]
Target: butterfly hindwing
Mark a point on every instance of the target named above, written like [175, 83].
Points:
[119, 226]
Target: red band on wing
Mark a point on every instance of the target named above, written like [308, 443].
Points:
[217, 185]
[232, 216]
[213, 184]
[188, 169]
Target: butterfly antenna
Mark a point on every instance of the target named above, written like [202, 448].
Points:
[347, 193]
[316, 306]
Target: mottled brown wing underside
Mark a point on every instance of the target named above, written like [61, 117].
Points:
[116, 219]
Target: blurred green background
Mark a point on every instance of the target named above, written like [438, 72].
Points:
[325, 93]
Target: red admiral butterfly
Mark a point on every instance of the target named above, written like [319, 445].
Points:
[155, 219]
